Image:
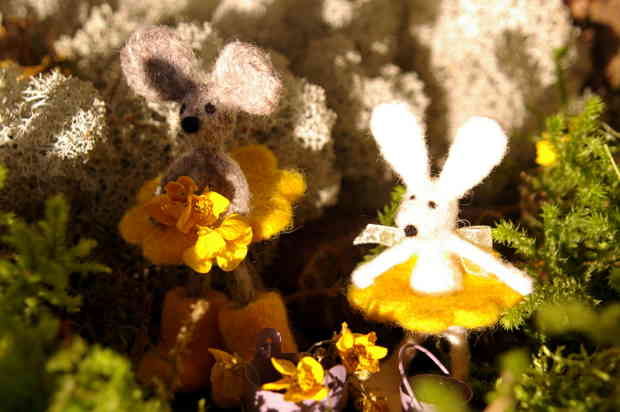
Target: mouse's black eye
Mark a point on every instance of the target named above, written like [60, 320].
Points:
[412, 197]
[210, 108]
[190, 124]
[183, 107]
[432, 204]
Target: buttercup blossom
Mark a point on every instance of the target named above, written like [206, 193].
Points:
[358, 352]
[226, 244]
[180, 226]
[302, 382]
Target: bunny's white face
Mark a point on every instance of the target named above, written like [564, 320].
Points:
[425, 213]
[430, 207]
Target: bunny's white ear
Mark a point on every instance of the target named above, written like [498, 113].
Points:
[479, 146]
[401, 141]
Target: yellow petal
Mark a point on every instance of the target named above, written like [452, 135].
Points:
[235, 227]
[283, 383]
[255, 159]
[285, 367]
[345, 342]
[135, 225]
[291, 185]
[209, 244]
[189, 184]
[175, 191]
[230, 260]
[310, 365]
[365, 340]
[164, 210]
[197, 264]
[318, 394]
[166, 246]
[183, 222]
[219, 203]
[377, 352]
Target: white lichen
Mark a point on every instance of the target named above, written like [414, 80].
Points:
[447, 60]
[51, 125]
[374, 26]
[493, 58]
[105, 151]
[335, 64]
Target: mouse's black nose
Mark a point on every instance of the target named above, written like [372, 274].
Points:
[411, 230]
[190, 124]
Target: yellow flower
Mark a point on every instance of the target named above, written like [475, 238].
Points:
[274, 190]
[203, 210]
[167, 225]
[302, 382]
[166, 208]
[227, 244]
[358, 352]
[546, 154]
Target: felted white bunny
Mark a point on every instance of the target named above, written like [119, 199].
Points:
[427, 217]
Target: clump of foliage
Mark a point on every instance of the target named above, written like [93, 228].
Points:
[36, 277]
[95, 379]
[564, 381]
[561, 377]
[574, 246]
[42, 366]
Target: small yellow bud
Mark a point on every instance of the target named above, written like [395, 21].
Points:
[546, 154]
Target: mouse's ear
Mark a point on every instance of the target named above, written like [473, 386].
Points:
[244, 78]
[401, 140]
[479, 146]
[158, 65]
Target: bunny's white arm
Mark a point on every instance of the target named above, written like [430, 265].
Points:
[510, 275]
[365, 274]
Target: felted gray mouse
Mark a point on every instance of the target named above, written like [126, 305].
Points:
[159, 66]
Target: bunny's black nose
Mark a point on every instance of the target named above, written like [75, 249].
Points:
[411, 230]
[190, 124]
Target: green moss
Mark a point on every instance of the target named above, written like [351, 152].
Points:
[95, 379]
[572, 246]
[39, 370]
[573, 243]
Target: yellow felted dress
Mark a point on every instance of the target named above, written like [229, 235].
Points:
[390, 299]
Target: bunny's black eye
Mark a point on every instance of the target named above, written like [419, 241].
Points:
[432, 204]
[412, 197]
[210, 108]
[411, 231]
[183, 107]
